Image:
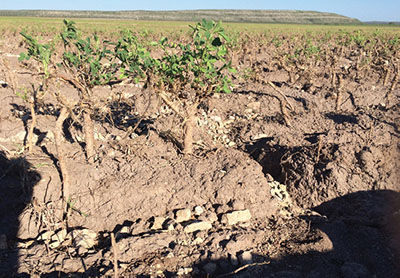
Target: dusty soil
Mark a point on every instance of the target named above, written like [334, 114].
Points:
[318, 199]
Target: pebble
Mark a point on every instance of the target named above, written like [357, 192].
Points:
[197, 226]
[238, 205]
[245, 258]
[235, 217]
[184, 271]
[183, 215]
[234, 260]
[256, 105]
[85, 238]
[158, 223]
[198, 241]
[198, 210]
[169, 225]
[209, 217]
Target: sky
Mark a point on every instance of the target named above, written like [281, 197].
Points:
[364, 10]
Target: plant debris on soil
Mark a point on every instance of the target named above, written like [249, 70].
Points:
[257, 198]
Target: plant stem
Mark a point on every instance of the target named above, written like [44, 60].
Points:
[58, 135]
[33, 124]
[188, 130]
[89, 136]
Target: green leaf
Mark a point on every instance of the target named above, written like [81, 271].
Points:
[23, 56]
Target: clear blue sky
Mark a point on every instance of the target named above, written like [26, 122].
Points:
[365, 10]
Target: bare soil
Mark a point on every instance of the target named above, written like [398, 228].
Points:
[324, 194]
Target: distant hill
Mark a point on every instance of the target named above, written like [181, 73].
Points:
[251, 16]
[392, 23]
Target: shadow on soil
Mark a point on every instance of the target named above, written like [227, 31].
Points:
[17, 180]
[359, 232]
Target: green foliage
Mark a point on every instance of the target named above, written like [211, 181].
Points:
[88, 59]
[207, 57]
[39, 52]
[200, 66]
[135, 58]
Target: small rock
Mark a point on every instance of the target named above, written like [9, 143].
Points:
[169, 225]
[210, 268]
[85, 238]
[45, 235]
[124, 231]
[222, 209]
[235, 217]
[259, 136]
[209, 217]
[198, 241]
[3, 84]
[183, 215]
[59, 236]
[98, 136]
[158, 223]
[245, 258]
[3, 242]
[238, 205]
[82, 250]
[197, 226]
[184, 271]
[248, 111]
[71, 265]
[198, 210]
[354, 270]
[234, 260]
[50, 135]
[254, 105]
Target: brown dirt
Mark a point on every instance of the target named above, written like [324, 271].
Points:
[338, 215]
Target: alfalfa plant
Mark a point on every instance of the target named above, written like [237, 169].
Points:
[87, 62]
[185, 74]
[42, 54]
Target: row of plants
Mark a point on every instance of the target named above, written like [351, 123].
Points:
[329, 58]
[181, 74]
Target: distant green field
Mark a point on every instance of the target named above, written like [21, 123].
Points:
[38, 25]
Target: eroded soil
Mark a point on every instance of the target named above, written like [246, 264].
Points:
[319, 199]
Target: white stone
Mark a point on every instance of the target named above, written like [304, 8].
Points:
[197, 226]
[183, 215]
[246, 258]
[198, 210]
[85, 238]
[234, 217]
[158, 223]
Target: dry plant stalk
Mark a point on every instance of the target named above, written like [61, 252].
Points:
[89, 136]
[339, 93]
[284, 104]
[188, 130]
[32, 102]
[33, 124]
[115, 251]
[386, 78]
[10, 76]
[58, 135]
[393, 86]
